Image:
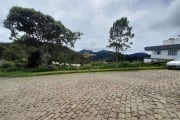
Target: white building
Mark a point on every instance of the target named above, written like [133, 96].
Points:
[168, 51]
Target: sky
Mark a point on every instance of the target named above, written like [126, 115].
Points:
[152, 20]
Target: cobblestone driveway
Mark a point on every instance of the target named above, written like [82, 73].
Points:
[138, 95]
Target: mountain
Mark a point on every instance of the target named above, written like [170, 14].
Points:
[104, 55]
[110, 55]
[86, 51]
[137, 56]
[100, 55]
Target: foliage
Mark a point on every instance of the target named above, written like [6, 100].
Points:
[34, 58]
[23, 73]
[120, 33]
[124, 64]
[15, 53]
[1, 51]
[32, 24]
[6, 64]
[32, 29]
[41, 69]
[158, 63]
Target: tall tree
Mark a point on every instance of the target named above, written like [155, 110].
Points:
[34, 24]
[120, 33]
[34, 58]
[14, 53]
[33, 28]
[1, 51]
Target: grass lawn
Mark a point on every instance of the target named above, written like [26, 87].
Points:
[22, 73]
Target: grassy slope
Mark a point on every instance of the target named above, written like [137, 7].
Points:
[21, 73]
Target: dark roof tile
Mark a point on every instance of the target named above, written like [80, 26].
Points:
[163, 47]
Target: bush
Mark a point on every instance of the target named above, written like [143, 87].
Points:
[11, 69]
[159, 63]
[42, 69]
[49, 68]
[124, 64]
[135, 64]
[7, 64]
[34, 58]
[67, 68]
[20, 65]
[97, 63]
[11, 66]
[86, 67]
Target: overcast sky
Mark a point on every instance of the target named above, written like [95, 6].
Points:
[152, 20]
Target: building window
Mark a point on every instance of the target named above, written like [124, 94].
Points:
[157, 52]
[172, 52]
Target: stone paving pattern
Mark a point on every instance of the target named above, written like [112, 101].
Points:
[134, 95]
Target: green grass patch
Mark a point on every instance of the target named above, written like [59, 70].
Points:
[28, 73]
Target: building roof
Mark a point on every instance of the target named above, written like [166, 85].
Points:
[163, 47]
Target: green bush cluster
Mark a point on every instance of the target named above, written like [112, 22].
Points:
[11, 66]
[124, 64]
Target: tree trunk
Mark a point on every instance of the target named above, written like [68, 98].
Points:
[117, 54]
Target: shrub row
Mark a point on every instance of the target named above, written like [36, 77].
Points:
[10, 66]
[101, 65]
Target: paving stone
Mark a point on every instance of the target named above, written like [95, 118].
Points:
[133, 95]
[173, 115]
[113, 114]
[178, 114]
[143, 118]
[128, 110]
[122, 115]
[128, 115]
[157, 116]
[134, 118]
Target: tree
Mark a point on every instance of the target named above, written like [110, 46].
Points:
[34, 58]
[31, 27]
[1, 51]
[15, 53]
[120, 33]
[33, 24]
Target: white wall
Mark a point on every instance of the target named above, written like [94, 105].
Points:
[146, 60]
[164, 55]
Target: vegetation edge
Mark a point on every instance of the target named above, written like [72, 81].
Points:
[23, 74]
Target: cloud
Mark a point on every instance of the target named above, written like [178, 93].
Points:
[171, 17]
[5, 34]
[152, 20]
[173, 14]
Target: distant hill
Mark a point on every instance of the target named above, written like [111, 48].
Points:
[110, 55]
[100, 55]
[4, 44]
[137, 56]
[86, 51]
